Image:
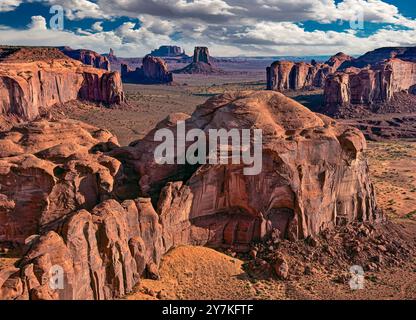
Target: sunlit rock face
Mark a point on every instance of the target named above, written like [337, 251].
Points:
[32, 79]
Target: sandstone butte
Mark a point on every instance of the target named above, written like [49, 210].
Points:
[153, 71]
[288, 75]
[32, 79]
[201, 63]
[107, 214]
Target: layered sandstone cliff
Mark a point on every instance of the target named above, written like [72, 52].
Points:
[28, 87]
[63, 193]
[288, 75]
[369, 87]
[153, 71]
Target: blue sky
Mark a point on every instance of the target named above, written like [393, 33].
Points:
[229, 27]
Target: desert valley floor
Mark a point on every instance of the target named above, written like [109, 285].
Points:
[194, 272]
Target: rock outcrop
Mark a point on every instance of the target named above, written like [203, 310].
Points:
[369, 88]
[201, 63]
[100, 254]
[63, 194]
[153, 71]
[28, 87]
[57, 191]
[314, 175]
[49, 170]
[168, 51]
[87, 57]
[288, 75]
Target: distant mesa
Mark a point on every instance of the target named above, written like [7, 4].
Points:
[88, 57]
[168, 51]
[201, 64]
[153, 71]
[382, 54]
[288, 75]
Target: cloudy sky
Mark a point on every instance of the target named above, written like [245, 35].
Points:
[229, 27]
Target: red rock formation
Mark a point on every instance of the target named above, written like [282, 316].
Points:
[153, 71]
[370, 86]
[47, 172]
[25, 87]
[56, 182]
[287, 75]
[102, 255]
[88, 57]
[219, 206]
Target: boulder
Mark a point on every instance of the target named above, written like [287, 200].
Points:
[281, 267]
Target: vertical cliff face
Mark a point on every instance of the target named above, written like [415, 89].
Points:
[153, 71]
[26, 87]
[201, 54]
[87, 57]
[369, 86]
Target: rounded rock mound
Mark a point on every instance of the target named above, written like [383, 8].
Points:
[314, 175]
